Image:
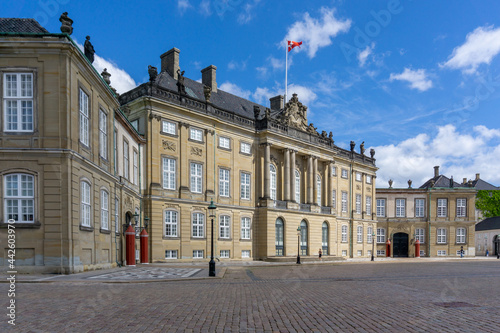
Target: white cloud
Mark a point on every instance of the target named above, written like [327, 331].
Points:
[235, 90]
[363, 55]
[183, 6]
[317, 33]
[480, 47]
[247, 15]
[417, 79]
[276, 64]
[237, 65]
[460, 155]
[306, 96]
[205, 9]
[262, 96]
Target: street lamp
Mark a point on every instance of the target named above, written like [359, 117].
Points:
[211, 264]
[136, 218]
[146, 222]
[373, 244]
[298, 245]
[136, 228]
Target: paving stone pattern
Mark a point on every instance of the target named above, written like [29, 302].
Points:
[459, 296]
[148, 274]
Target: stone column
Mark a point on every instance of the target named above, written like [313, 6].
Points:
[267, 175]
[310, 180]
[286, 151]
[315, 183]
[292, 175]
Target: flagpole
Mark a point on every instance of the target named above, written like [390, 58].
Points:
[286, 70]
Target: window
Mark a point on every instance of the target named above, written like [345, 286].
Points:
[380, 252]
[368, 179]
[400, 207]
[334, 199]
[441, 252]
[85, 203]
[117, 215]
[369, 253]
[344, 173]
[369, 206]
[196, 178]
[224, 142]
[360, 253]
[344, 253]
[245, 253]
[245, 148]
[115, 148]
[420, 235]
[245, 228]
[245, 186]
[224, 253]
[358, 176]
[358, 203]
[441, 236]
[381, 207]
[168, 173]
[170, 254]
[279, 236]
[224, 182]
[126, 165]
[135, 158]
[198, 225]
[104, 210]
[324, 238]
[334, 171]
[84, 117]
[169, 127]
[171, 223]
[460, 235]
[461, 207]
[18, 102]
[103, 134]
[19, 198]
[224, 226]
[360, 234]
[272, 171]
[344, 234]
[419, 207]
[369, 235]
[196, 134]
[198, 254]
[441, 207]
[344, 201]
[297, 186]
[318, 190]
[135, 124]
[380, 235]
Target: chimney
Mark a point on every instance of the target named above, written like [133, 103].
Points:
[208, 77]
[464, 181]
[276, 102]
[477, 176]
[436, 171]
[170, 62]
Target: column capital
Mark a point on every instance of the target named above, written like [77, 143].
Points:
[266, 144]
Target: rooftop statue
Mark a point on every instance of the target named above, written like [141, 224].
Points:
[89, 49]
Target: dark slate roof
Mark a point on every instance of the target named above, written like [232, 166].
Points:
[491, 223]
[220, 99]
[480, 184]
[440, 181]
[21, 25]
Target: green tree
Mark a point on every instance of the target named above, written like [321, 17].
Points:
[488, 202]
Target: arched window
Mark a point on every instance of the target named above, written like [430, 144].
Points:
[104, 210]
[360, 234]
[324, 238]
[297, 186]
[303, 238]
[19, 195]
[318, 192]
[279, 236]
[171, 223]
[272, 172]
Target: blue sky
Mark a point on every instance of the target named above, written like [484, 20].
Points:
[417, 80]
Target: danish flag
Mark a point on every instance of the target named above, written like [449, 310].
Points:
[292, 44]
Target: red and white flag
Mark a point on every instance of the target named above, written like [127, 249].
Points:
[292, 44]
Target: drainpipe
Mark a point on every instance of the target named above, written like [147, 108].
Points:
[351, 222]
[114, 173]
[429, 225]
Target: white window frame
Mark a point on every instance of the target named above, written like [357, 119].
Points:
[224, 254]
[18, 100]
[344, 173]
[420, 235]
[442, 207]
[358, 203]
[198, 225]
[369, 235]
[368, 204]
[245, 253]
[103, 134]
[224, 226]
[344, 201]
[171, 221]
[245, 185]
[380, 236]
[104, 210]
[245, 227]
[170, 254]
[380, 253]
[126, 160]
[400, 207]
[169, 173]
[224, 176]
[461, 233]
[344, 253]
[196, 176]
[272, 181]
[441, 253]
[344, 233]
[169, 127]
[358, 176]
[461, 207]
[334, 199]
[245, 148]
[380, 207]
[21, 202]
[419, 207]
[85, 204]
[84, 117]
[360, 234]
[297, 186]
[198, 254]
[441, 235]
[196, 134]
[334, 170]
[224, 142]
[117, 215]
[360, 253]
[135, 164]
[368, 179]
[318, 189]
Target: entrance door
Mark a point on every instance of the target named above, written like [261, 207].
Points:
[303, 239]
[400, 247]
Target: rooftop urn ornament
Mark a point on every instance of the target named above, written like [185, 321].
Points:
[207, 91]
[181, 88]
[353, 144]
[89, 49]
[66, 24]
[390, 183]
[105, 75]
[362, 148]
[409, 183]
[153, 72]
[372, 152]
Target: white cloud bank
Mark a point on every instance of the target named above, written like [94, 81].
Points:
[460, 155]
[417, 78]
[480, 47]
[316, 33]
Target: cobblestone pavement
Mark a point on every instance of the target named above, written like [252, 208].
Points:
[418, 296]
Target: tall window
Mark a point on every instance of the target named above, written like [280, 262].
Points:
[441, 236]
[419, 207]
[400, 207]
[245, 228]
[196, 134]
[358, 176]
[126, 164]
[344, 173]
[442, 207]
[85, 203]
[358, 203]
[360, 234]
[272, 172]
[369, 235]
[245, 148]
[334, 199]
[18, 102]
[104, 210]
[380, 235]
[324, 238]
[344, 234]
[135, 163]
[381, 207]
[224, 183]
[297, 186]
[117, 215]
[279, 237]
[168, 173]
[245, 185]
[420, 235]
[344, 201]
[196, 177]
[369, 206]
[198, 225]
[368, 179]
[19, 198]
[115, 149]
[461, 212]
[224, 226]
[103, 134]
[460, 235]
[318, 188]
[84, 117]
[171, 224]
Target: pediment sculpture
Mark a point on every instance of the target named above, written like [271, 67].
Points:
[295, 114]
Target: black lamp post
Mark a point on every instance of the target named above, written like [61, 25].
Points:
[136, 219]
[211, 264]
[373, 244]
[298, 245]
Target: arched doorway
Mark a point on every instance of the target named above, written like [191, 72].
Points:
[324, 238]
[304, 251]
[279, 237]
[400, 244]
